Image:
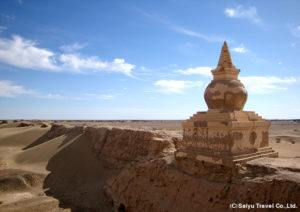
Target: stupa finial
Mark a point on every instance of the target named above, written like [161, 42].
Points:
[225, 57]
[225, 69]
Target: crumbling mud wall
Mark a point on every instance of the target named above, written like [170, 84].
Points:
[90, 156]
[158, 186]
[147, 178]
[119, 147]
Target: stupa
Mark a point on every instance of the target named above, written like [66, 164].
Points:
[225, 134]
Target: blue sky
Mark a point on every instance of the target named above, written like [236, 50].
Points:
[75, 59]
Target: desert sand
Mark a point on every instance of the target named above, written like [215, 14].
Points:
[123, 166]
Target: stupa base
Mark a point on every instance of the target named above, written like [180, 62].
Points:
[226, 160]
[225, 137]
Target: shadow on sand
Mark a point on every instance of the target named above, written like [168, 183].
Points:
[46, 137]
[77, 178]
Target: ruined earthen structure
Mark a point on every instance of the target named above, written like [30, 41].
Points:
[225, 134]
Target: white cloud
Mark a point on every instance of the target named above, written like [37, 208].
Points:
[56, 96]
[205, 71]
[181, 29]
[240, 49]
[20, 2]
[185, 31]
[90, 94]
[294, 30]
[106, 96]
[119, 65]
[2, 28]
[77, 63]
[241, 12]
[259, 84]
[73, 47]
[10, 90]
[102, 96]
[23, 53]
[175, 86]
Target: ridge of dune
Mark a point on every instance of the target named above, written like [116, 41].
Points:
[44, 151]
[22, 136]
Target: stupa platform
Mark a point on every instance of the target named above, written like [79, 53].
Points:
[224, 137]
[226, 160]
[223, 118]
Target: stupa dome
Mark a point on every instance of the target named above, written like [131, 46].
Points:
[225, 92]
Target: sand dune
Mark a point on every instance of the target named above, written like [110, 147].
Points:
[77, 177]
[45, 150]
[63, 163]
[22, 136]
[73, 170]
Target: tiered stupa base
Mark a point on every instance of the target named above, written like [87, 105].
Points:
[226, 138]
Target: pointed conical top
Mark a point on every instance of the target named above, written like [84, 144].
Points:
[225, 57]
[225, 69]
